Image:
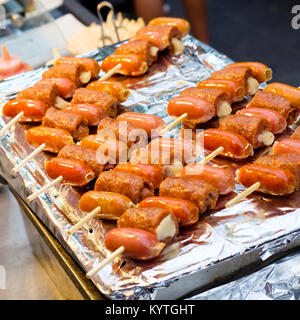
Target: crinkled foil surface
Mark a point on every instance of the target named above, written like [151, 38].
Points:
[278, 281]
[259, 224]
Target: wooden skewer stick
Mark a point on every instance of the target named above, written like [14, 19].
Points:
[111, 72]
[243, 195]
[173, 124]
[84, 220]
[212, 155]
[43, 189]
[11, 123]
[28, 158]
[107, 260]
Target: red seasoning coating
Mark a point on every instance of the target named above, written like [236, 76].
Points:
[186, 211]
[239, 75]
[273, 181]
[65, 86]
[54, 139]
[271, 101]
[113, 205]
[235, 146]
[142, 48]
[101, 99]
[161, 222]
[84, 155]
[132, 64]
[203, 194]
[88, 64]
[276, 120]
[288, 92]
[34, 110]
[134, 187]
[114, 88]
[160, 36]
[65, 70]
[250, 128]
[74, 173]
[259, 70]
[72, 123]
[121, 130]
[218, 97]
[288, 161]
[139, 244]
[235, 91]
[222, 178]
[46, 92]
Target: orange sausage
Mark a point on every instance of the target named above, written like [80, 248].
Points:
[236, 91]
[112, 204]
[138, 244]
[88, 111]
[273, 181]
[235, 146]
[170, 149]
[259, 70]
[182, 25]
[288, 92]
[150, 123]
[186, 212]
[74, 173]
[66, 87]
[198, 110]
[151, 172]
[87, 63]
[132, 65]
[287, 145]
[34, 110]
[276, 120]
[54, 139]
[114, 88]
[222, 178]
[116, 150]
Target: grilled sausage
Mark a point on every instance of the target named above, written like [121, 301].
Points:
[161, 222]
[134, 187]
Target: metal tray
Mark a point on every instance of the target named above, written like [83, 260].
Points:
[220, 244]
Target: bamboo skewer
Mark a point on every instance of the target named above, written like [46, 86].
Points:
[107, 260]
[111, 72]
[11, 123]
[28, 158]
[173, 124]
[243, 195]
[43, 189]
[84, 220]
[212, 155]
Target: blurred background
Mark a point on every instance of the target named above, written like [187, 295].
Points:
[259, 30]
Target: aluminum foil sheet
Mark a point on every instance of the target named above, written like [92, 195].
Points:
[220, 243]
[278, 281]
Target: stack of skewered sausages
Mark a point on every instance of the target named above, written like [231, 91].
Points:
[149, 201]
